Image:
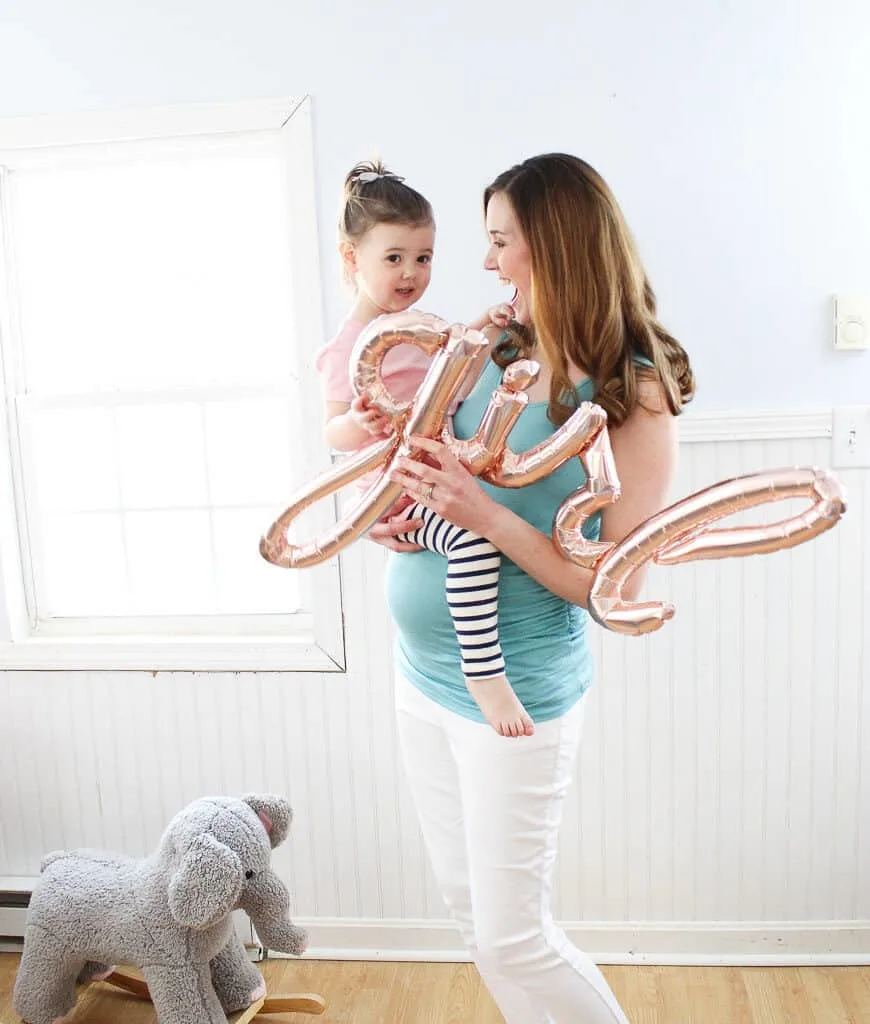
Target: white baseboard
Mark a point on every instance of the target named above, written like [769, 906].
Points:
[790, 944]
[690, 943]
[737, 943]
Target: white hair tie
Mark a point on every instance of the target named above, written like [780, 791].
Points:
[366, 176]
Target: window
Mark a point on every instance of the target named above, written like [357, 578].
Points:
[160, 300]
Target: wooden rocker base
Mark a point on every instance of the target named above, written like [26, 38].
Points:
[302, 1002]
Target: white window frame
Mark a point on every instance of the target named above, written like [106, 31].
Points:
[315, 640]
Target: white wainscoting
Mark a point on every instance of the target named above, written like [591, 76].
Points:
[723, 806]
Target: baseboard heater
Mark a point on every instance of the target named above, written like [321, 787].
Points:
[14, 901]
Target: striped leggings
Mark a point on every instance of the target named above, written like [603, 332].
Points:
[472, 589]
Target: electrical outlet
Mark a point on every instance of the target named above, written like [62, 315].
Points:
[851, 437]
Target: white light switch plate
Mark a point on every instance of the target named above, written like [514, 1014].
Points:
[851, 437]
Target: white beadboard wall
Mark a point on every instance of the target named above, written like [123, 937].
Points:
[723, 806]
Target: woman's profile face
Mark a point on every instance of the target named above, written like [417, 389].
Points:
[508, 254]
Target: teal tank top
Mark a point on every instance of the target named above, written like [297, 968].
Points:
[544, 638]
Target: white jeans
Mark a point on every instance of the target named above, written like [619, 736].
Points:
[490, 809]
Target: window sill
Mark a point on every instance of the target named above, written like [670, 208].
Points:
[168, 654]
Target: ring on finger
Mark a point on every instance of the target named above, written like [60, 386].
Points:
[430, 490]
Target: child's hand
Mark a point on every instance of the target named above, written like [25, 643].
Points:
[372, 420]
[502, 314]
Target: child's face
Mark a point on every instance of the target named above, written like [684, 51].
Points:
[391, 264]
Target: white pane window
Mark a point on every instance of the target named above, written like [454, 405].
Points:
[160, 297]
[139, 274]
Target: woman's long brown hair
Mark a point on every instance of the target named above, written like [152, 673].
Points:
[591, 302]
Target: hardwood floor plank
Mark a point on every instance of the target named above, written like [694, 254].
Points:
[764, 1000]
[824, 996]
[359, 992]
[639, 988]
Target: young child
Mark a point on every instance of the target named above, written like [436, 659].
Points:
[386, 242]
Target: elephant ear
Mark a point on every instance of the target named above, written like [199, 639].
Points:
[274, 812]
[206, 885]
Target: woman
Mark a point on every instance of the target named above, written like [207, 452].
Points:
[490, 807]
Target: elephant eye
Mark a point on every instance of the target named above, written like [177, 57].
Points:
[249, 873]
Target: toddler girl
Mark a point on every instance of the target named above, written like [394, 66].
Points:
[386, 242]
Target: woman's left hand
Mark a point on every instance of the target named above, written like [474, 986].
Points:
[445, 485]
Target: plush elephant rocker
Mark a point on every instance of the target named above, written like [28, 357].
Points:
[169, 915]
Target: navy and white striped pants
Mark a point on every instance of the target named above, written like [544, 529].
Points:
[472, 588]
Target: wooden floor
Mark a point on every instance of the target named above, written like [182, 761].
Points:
[390, 993]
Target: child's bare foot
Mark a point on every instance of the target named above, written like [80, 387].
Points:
[500, 706]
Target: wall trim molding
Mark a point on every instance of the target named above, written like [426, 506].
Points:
[694, 943]
[691, 943]
[754, 426]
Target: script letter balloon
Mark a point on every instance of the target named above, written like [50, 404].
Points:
[459, 347]
[423, 330]
[602, 488]
[682, 533]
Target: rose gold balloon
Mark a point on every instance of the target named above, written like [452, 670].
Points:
[277, 549]
[681, 533]
[428, 411]
[571, 439]
[602, 488]
[699, 542]
[486, 448]
[426, 415]
[425, 331]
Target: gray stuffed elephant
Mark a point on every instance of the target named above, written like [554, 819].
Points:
[169, 915]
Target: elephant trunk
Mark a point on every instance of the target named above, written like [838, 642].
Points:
[267, 902]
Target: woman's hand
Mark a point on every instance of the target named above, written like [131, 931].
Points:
[445, 485]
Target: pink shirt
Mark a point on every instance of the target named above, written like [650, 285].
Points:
[403, 368]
